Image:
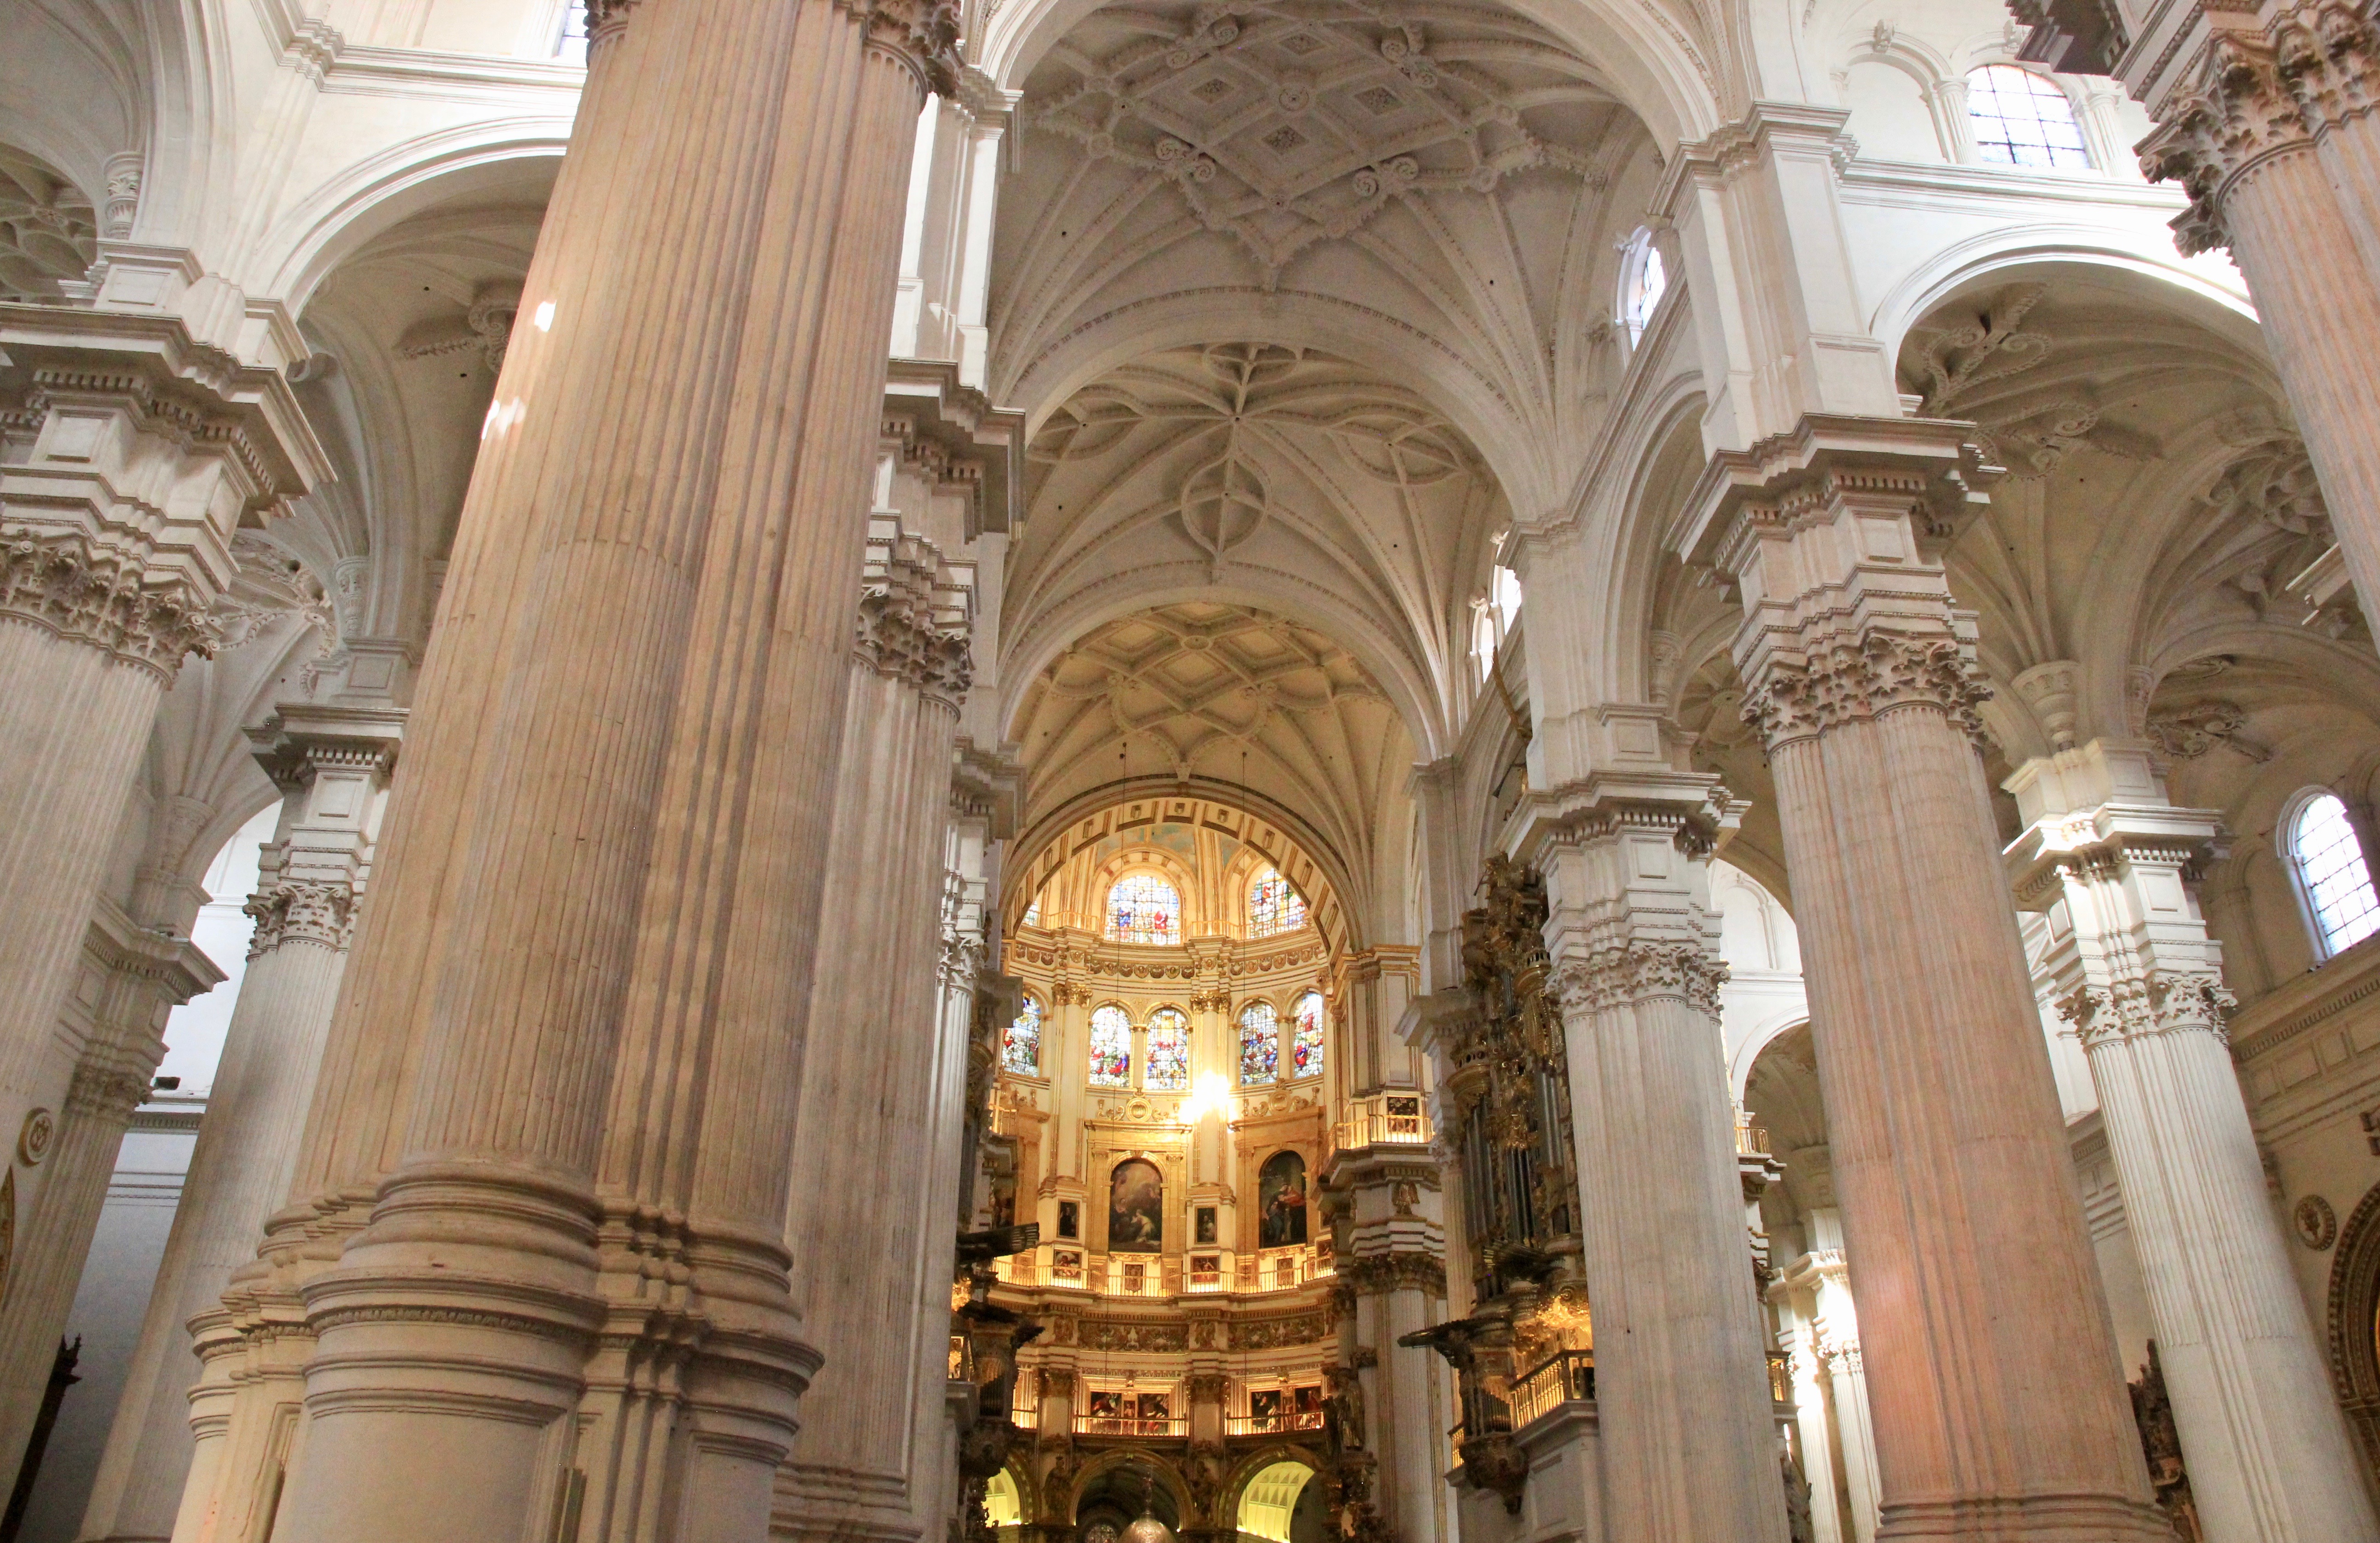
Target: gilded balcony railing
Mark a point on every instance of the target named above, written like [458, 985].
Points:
[1562, 1378]
[1128, 1424]
[1384, 1120]
[1270, 1425]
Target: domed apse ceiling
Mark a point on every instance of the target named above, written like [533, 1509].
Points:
[1225, 692]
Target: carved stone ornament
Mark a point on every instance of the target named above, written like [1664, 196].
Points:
[2316, 1223]
[1640, 973]
[2261, 94]
[922, 34]
[310, 912]
[99, 599]
[1858, 681]
[908, 628]
[33, 1138]
[2153, 1002]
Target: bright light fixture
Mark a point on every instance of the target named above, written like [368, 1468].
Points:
[1209, 1095]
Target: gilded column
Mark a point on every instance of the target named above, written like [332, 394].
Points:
[333, 766]
[2269, 1457]
[1688, 1437]
[865, 1144]
[129, 454]
[1950, 1155]
[559, 1088]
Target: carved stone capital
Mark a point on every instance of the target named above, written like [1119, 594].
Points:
[312, 913]
[87, 595]
[1637, 972]
[2152, 1002]
[1861, 679]
[2241, 115]
[921, 35]
[914, 621]
[110, 1092]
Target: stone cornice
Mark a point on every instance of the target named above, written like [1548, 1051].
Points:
[2306, 1001]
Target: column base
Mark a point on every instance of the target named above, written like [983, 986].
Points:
[2032, 1519]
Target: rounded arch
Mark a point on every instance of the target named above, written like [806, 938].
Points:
[1283, 838]
[2007, 253]
[361, 200]
[2354, 1304]
[1065, 1502]
[1232, 1491]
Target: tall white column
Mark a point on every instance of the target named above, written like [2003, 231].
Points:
[131, 455]
[1687, 1428]
[539, 1237]
[2269, 1457]
[1388, 1211]
[332, 767]
[864, 1146]
[1950, 1155]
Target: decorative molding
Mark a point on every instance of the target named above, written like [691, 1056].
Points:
[1861, 679]
[35, 1138]
[2316, 1223]
[90, 595]
[923, 35]
[1636, 973]
[2149, 1003]
[914, 616]
[316, 913]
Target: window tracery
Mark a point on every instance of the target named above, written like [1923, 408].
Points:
[1259, 1042]
[1111, 1048]
[1306, 1049]
[1274, 906]
[1168, 1066]
[2332, 879]
[2024, 119]
[1143, 908]
[1020, 1047]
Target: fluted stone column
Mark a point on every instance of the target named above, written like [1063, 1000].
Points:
[2274, 139]
[2268, 1455]
[1833, 1347]
[130, 454]
[865, 1148]
[129, 977]
[333, 766]
[1949, 1156]
[560, 1088]
[1387, 1217]
[1688, 1436]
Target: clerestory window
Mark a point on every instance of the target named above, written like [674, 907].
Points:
[2333, 883]
[2024, 119]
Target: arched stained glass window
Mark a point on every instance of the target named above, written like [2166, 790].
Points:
[2331, 874]
[1020, 1048]
[1306, 1050]
[1111, 1048]
[1143, 908]
[1273, 905]
[2024, 119]
[1259, 1042]
[1169, 1051]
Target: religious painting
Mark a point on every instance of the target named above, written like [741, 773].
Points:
[1264, 1408]
[1280, 1201]
[1136, 1208]
[1070, 1218]
[1205, 1225]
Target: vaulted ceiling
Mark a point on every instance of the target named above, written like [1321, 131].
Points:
[1434, 197]
[1224, 694]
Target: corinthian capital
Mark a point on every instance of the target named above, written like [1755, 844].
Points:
[922, 34]
[2241, 114]
[914, 616]
[1860, 678]
[310, 912]
[1633, 974]
[88, 594]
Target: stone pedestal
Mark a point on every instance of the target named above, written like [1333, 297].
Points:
[1688, 1440]
[333, 766]
[130, 455]
[1949, 1152]
[1389, 1238]
[540, 1233]
[2268, 1455]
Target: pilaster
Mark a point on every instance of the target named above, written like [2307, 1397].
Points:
[1948, 1151]
[2268, 1456]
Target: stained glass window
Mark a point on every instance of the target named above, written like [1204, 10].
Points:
[1111, 1048]
[1143, 908]
[1020, 1048]
[2024, 119]
[1169, 1051]
[1273, 906]
[1305, 1051]
[1259, 1042]
[2331, 870]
